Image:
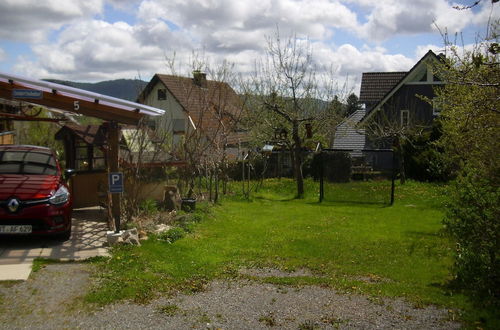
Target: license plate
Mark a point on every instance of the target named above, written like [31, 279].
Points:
[15, 229]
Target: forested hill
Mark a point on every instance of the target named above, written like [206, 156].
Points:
[127, 89]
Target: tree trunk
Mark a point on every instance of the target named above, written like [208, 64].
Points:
[297, 159]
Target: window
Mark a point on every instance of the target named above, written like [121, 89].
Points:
[27, 162]
[98, 159]
[405, 117]
[179, 126]
[82, 156]
[162, 94]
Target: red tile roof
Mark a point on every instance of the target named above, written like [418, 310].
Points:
[213, 108]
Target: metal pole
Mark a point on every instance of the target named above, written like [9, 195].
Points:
[321, 178]
[393, 176]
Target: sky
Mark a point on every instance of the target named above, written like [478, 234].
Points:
[95, 40]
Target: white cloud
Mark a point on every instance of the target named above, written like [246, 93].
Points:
[423, 49]
[350, 62]
[84, 47]
[406, 17]
[3, 55]
[31, 20]
[96, 50]
[228, 25]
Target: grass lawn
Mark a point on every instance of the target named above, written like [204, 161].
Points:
[357, 247]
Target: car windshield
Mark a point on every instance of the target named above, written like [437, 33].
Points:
[27, 162]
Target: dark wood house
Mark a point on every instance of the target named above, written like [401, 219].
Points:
[392, 101]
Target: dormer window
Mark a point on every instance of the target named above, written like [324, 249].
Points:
[162, 94]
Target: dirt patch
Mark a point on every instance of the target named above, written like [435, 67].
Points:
[271, 272]
[50, 300]
[46, 299]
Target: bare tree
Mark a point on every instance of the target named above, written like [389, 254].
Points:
[287, 93]
[390, 128]
[214, 111]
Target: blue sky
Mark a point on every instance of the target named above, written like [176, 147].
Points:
[94, 40]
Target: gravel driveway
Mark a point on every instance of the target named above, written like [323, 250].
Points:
[50, 299]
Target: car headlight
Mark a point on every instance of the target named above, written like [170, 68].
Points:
[61, 196]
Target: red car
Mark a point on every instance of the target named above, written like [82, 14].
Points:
[34, 198]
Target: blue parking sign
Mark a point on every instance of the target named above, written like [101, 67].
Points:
[115, 181]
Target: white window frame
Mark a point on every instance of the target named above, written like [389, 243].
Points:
[402, 118]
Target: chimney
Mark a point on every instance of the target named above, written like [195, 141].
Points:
[200, 78]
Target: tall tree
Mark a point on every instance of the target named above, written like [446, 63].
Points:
[471, 138]
[353, 104]
[289, 96]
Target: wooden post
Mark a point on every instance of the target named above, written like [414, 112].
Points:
[243, 173]
[114, 147]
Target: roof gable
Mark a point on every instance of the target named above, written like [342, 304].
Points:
[212, 106]
[410, 76]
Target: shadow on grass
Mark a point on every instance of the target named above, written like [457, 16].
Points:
[277, 199]
[351, 203]
[423, 234]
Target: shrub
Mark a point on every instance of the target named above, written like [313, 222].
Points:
[148, 206]
[173, 234]
[425, 159]
[472, 220]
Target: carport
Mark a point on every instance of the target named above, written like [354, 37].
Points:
[55, 96]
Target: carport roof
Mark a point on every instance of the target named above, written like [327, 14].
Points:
[64, 97]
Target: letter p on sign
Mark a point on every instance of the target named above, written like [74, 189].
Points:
[115, 182]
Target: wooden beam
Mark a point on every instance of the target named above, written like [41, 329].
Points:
[74, 105]
[10, 116]
[113, 151]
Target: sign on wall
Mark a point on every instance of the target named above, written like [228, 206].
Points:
[26, 94]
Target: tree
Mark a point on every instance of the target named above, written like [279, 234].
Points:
[39, 133]
[288, 96]
[471, 139]
[214, 111]
[386, 130]
[353, 104]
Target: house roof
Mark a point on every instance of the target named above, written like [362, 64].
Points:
[91, 134]
[375, 85]
[206, 105]
[401, 82]
[348, 137]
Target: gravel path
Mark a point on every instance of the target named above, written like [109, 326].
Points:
[50, 300]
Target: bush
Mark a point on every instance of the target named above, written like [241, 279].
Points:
[148, 207]
[472, 220]
[173, 234]
[425, 160]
